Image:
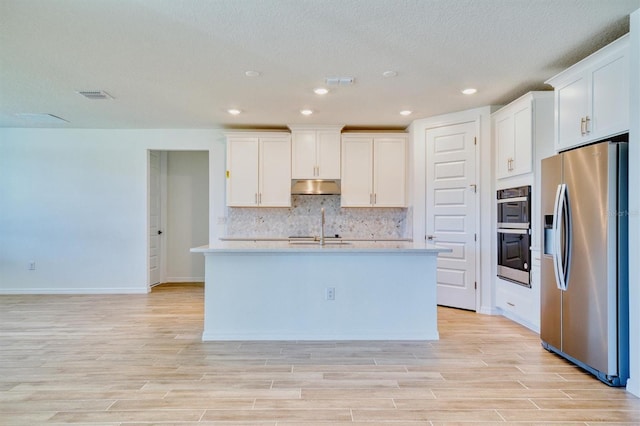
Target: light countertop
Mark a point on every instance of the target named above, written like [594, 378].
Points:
[335, 246]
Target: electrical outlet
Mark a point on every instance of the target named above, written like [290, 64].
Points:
[330, 293]
[31, 266]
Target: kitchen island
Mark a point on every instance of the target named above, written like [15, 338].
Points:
[280, 290]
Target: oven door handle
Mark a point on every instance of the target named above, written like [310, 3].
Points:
[512, 200]
[513, 231]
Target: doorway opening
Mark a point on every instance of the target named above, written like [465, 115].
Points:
[178, 215]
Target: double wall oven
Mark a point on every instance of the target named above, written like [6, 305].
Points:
[514, 234]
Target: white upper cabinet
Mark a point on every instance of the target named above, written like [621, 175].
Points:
[374, 170]
[315, 152]
[514, 133]
[357, 172]
[258, 169]
[592, 97]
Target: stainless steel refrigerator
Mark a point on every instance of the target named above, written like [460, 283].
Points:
[584, 277]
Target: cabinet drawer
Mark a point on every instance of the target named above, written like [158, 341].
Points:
[519, 303]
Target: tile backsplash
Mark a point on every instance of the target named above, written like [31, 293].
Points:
[303, 219]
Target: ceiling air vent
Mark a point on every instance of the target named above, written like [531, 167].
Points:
[339, 81]
[95, 94]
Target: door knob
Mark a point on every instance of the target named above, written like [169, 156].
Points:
[159, 232]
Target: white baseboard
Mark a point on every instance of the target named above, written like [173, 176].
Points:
[184, 279]
[633, 386]
[486, 310]
[127, 290]
[297, 336]
[523, 322]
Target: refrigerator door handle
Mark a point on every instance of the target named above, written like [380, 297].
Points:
[555, 226]
[568, 235]
[562, 237]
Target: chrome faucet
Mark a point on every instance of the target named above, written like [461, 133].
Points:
[322, 226]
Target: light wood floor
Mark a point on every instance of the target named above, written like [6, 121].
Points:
[138, 359]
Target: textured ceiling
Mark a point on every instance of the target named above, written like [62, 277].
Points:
[182, 63]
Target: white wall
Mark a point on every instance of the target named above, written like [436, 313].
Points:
[633, 385]
[75, 202]
[486, 191]
[187, 221]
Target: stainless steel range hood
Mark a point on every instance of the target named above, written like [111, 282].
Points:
[315, 187]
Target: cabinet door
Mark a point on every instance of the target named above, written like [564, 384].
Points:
[389, 172]
[242, 169]
[522, 140]
[328, 154]
[610, 98]
[357, 172]
[571, 107]
[303, 154]
[503, 133]
[275, 172]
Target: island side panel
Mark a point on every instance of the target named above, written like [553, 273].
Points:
[282, 296]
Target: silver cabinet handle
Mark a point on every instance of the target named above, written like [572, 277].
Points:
[587, 127]
[255, 196]
[583, 126]
[375, 198]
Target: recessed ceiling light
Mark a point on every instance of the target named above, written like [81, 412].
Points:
[234, 111]
[252, 73]
[469, 91]
[389, 73]
[320, 91]
[306, 111]
[405, 112]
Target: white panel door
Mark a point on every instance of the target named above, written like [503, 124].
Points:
[610, 97]
[154, 218]
[451, 210]
[571, 108]
[242, 172]
[522, 140]
[389, 156]
[503, 136]
[275, 172]
[328, 154]
[304, 154]
[357, 172]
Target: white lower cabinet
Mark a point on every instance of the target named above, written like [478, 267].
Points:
[258, 169]
[519, 303]
[374, 170]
